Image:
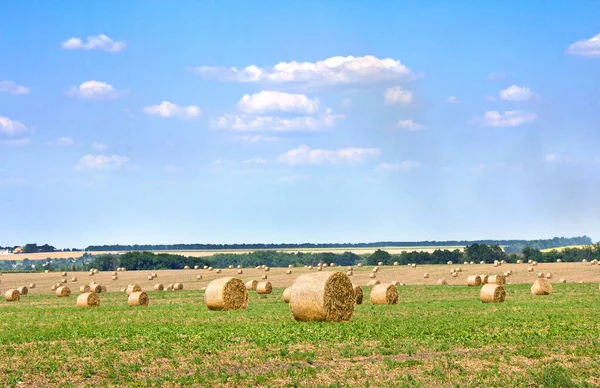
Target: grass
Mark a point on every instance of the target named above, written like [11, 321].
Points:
[435, 336]
[560, 249]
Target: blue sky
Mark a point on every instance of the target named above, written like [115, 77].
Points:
[222, 122]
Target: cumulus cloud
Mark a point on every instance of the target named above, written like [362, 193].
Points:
[255, 161]
[304, 155]
[98, 42]
[272, 100]
[409, 125]
[516, 93]
[95, 90]
[585, 48]
[452, 100]
[11, 87]
[63, 141]
[170, 110]
[331, 71]
[403, 166]
[99, 146]
[16, 142]
[101, 162]
[512, 118]
[275, 123]
[255, 138]
[11, 127]
[397, 95]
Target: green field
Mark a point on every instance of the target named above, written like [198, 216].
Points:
[435, 336]
[559, 249]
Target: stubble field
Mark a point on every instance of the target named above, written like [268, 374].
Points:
[435, 336]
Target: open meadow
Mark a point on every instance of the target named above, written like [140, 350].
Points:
[434, 336]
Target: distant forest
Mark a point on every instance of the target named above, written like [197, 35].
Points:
[510, 246]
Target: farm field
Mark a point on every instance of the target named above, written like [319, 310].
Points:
[560, 249]
[205, 253]
[435, 336]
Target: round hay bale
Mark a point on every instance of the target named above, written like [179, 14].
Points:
[413, 265]
[150, 277]
[360, 265]
[53, 288]
[548, 275]
[186, 267]
[502, 262]
[449, 262]
[372, 275]
[455, 274]
[230, 266]
[384, 294]
[452, 271]
[88, 299]
[372, 283]
[395, 283]
[251, 285]
[310, 267]
[331, 265]
[178, 286]
[74, 279]
[492, 293]
[319, 268]
[563, 281]
[484, 279]
[496, 264]
[425, 276]
[123, 290]
[199, 277]
[496, 279]
[205, 267]
[529, 261]
[64, 281]
[472, 262]
[264, 288]
[169, 287]
[441, 282]
[290, 266]
[458, 269]
[474, 281]
[380, 263]
[287, 294]
[358, 293]
[210, 268]
[196, 267]
[267, 269]
[558, 260]
[139, 298]
[46, 271]
[218, 270]
[115, 272]
[530, 269]
[133, 288]
[64, 274]
[23, 290]
[239, 266]
[226, 294]
[540, 274]
[63, 291]
[482, 262]
[85, 288]
[158, 287]
[541, 287]
[12, 295]
[466, 263]
[534, 263]
[289, 272]
[325, 296]
[91, 273]
[376, 269]
[264, 277]
[31, 286]
[240, 271]
[96, 288]
[154, 275]
[584, 261]
[349, 273]
[114, 277]
[395, 263]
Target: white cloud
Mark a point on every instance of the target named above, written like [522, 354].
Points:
[95, 90]
[512, 118]
[169, 169]
[16, 142]
[62, 141]
[101, 162]
[452, 100]
[397, 95]
[586, 48]
[306, 155]
[11, 87]
[99, 146]
[558, 159]
[255, 161]
[409, 125]
[403, 166]
[255, 138]
[334, 70]
[11, 127]
[275, 123]
[516, 93]
[168, 109]
[99, 42]
[272, 100]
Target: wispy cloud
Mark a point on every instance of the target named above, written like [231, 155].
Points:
[398, 95]
[102, 162]
[507, 119]
[255, 161]
[304, 155]
[98, 42]
[517, 93]
[11, 127]
[99, 146]
[241, 122]
[272, 100]
[255, 138]
[452, 100]
[409, 125]
[585, 48]
[11, 87]
[95, 90]
[62, 141]
[403, 166]
[169, 110]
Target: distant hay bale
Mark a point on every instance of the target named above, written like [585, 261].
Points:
[289, 272]
[123, 269]
[452, 271]
[584, 261]
[267, 269]
[372, 275]
[413, 265]
[425, 276]
[264, 277]
[441, 282]
[133, 288]
[360, 265]
[466, 263]
[482, 262]
[474, 281]
[88, 299]
[230, 266]
[218, 270]
[178, 286]
[159, 287]
[331, 265]
[64, 281]
[264, 288]
[251, 285]
[169, 287]
[395, 283]
[380, 263]
[349, 273]
[372, 283]
[74, 279]
[226, 294]
[205, 267]
[496, 279]
[63, 291]
[139, 298]
[186, 267]
[548, 276]
[114, 273]
[196, 267]
[540, 274]
[123, 289]
[46, 271]
[384, 294]
[114, 277]
[319, 268]
[290, 266]
[199, 277]
[96, 288]
[395, 263]
[23, 290]
[150, 277]
[210, 268]
[154, 275]
[502, 262]
[449, 262]
[455, 274]
[530, 269]
[12, 295]
[325, 296]
[563, 281]
[534, 263]
[84, 288]
[376, 269]
[472, 262]
[239, 266]
[53, 288]
[484, 279]
[558, 260]
[541, 287]
[506, 274]
[458, 269]
[64, 274]
[529, 261]
[103, 288]
[358, 293]
[91, 273]
[31, 286]
[519, 261]
[496, 264]
[492, 293]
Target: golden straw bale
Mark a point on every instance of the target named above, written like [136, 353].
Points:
[64, 274]
[414, 265]
[251, 285]
[240, 271]
[534, 263]
[372, 275]
[239, 266]
[519, 261]
[384, 294]
[205, 267]
[12, 295]
[360, 265]
[563, 281]
[196, 267]
[395, 263]
[455, 274]
[169, 287]
[441, 282]
[53, 288]
[63, 291]
[230, 266]
[210, 268]
[372, 283]
[226, 294]
[530, 269]
[264, 288]
[289, 272]
[104, 289]
[358, 292]
[74, 279]
[133, 288]
[492, 293]
[199, 277]
[474, 281]
[324, 296]
[484, 279]
[84, 288]
[548, 275]
[425, 276]
[115, 273]
[150, 277]
[88, 299]
[482, 262]
[178, 286]
[139, 298]
[541, 287]
[114, 277]
[23, 290]
[496, 279]
[380, 263]
[540, 275]
[159, 287]
[290, 266]
[267, 269]
[218, 270]
[319, 268]
[186, 267]
[449, 262]
[97, 288]
[264, 277]
[287, 294]
[31, 286]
